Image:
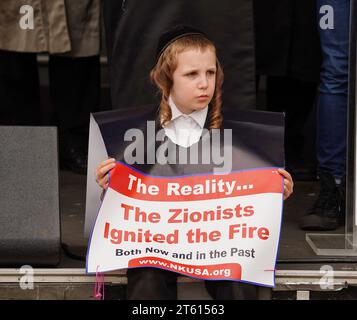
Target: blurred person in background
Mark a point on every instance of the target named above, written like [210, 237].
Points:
[288, 53]
[328, 211]
[69, 31]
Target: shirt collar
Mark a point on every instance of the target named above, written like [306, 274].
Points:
[199, 116]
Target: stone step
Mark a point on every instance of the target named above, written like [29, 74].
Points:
[75, 284]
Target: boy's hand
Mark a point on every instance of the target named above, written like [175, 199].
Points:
[288, 183]
[101, 173]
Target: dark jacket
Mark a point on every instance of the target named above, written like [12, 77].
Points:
[252, 132]
[286, 37]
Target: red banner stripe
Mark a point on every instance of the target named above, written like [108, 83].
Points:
[195, 187]
[216, 271]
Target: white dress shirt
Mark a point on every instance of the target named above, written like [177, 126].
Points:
[185, 129]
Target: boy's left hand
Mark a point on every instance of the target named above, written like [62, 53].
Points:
[288, 183]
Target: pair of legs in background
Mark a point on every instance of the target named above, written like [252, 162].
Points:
[159, 284]
[296, 98]
[327, 213]
[75, 92]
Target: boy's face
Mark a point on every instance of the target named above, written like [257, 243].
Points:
[194, 80]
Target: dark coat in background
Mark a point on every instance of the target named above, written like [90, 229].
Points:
[287, 41]
[134, 26]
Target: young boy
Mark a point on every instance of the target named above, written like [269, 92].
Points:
[189, 77]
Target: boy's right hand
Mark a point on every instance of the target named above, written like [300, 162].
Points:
[101, 172]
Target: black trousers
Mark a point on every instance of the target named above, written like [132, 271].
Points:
[74, 88]
[20, 102]
[159, 284]
[296, 98]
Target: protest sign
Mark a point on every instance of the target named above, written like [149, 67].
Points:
[223, 226]
[187, 216]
